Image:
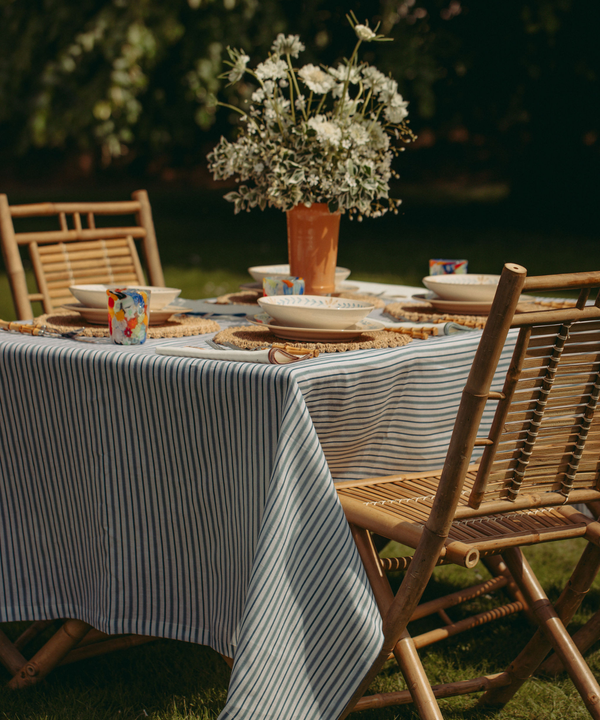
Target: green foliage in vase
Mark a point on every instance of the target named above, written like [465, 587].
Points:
[314, 134]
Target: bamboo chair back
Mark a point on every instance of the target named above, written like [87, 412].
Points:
[78, 252]
[545, 437]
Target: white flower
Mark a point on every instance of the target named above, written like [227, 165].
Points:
[396, 111]
[388, 90]
[358, 134]
[300, 102]
[364, 33]
[289, 45]
[379, 138]
[346, 72]
[373, 78]
[237, 71]
[316, 80]
[327, 132]
[272, 69]
[258, 95]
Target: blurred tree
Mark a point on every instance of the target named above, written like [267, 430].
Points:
[511, 86]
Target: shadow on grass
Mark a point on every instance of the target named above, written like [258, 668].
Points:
[163, 679]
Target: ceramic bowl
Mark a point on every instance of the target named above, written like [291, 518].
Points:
[315, 311]
[95, 295]
[471, 288]
[261, 271]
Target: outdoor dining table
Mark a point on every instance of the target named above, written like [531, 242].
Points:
[194, 499]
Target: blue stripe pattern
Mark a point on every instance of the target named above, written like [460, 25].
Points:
[193, 499]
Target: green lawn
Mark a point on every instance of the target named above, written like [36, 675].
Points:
[205, 250]
[168, 680]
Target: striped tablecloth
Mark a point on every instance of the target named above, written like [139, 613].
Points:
[193, 499]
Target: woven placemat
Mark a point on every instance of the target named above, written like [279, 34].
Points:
[244, 297]
[424, 312]
[181, 326]
[348, 295]
[248, 338]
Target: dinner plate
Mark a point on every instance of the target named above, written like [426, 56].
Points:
[314, 334]
[99, 316]
[460, 307]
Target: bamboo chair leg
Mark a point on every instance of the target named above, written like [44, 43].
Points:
[10, 656]
[403, 606]
[584, 638]
[552, 631]
[113, 643]
[496, 566]
[32, 632]
[59, 645]
[404, 651]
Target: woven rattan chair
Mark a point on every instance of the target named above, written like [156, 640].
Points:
[63, 257]
[542, 455]
[77, 252]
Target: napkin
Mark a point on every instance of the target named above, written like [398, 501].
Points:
[273, 356]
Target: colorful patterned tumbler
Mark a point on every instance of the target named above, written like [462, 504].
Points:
[127, 316]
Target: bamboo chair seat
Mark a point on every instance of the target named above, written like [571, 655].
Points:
[399, 508]
[540, 458]
[78, 253]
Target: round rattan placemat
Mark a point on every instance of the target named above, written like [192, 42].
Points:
[425, 312]
[181, 326]
[248, 338]
[243, 297]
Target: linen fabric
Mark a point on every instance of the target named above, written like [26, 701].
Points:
[193, 499]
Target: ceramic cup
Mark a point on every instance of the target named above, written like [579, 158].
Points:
[128, 316]
[283, 285]
[447, 267]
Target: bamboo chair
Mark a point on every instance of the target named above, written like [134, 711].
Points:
[542, 456]
[77, 255]
[60, 258]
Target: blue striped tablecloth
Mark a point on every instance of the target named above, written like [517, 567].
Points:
[193, 499]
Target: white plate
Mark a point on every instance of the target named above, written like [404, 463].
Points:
[94, 296]
[315, 311]
[99, 316]
[259, 272]
[315, 334]
[465, 287]
[460, 307]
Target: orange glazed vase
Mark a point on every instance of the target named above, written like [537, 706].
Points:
[312, 246]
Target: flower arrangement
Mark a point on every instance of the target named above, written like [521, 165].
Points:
[314, 134]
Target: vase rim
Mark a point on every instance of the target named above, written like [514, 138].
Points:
[314, 207]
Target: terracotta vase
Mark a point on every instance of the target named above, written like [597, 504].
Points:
[312, 246]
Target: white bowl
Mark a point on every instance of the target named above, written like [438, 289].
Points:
[95, 295]
[315, 311]
[471, 288]
[261, 271]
